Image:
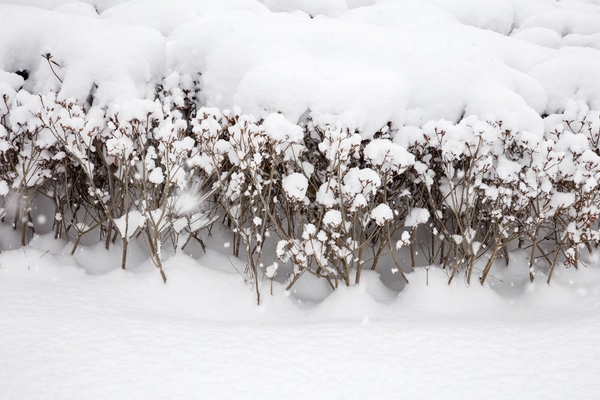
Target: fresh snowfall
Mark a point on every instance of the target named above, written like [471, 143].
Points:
[299, 199]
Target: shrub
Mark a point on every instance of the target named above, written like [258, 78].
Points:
[322, 198]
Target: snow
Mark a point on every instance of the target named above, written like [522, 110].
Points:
[280, 129]
[388, 155]
[417, 216]
[156, 176]
[361, 181]
[382, 213]
[124, 334]
[129, 223]
[88, 52]
[78, 326]
[371, 70]
[295, 186]
[333, 217]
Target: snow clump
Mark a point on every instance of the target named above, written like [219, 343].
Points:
[295, 186]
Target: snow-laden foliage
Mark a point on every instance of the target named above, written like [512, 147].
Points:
[487, 186]
[323, 198]
[124, 172]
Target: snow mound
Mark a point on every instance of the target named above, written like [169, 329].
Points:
[357, 63]
[89, 56]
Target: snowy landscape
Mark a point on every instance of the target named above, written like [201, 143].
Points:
[304, 199]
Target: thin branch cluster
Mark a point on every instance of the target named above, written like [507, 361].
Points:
[321, 200]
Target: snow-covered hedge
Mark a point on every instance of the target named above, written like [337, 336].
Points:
[325, 199]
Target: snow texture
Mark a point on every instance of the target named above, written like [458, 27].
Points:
[381, 214]
[67, 333]
[357, 63]
[333, 217]
[417, 216]
[295, 186]
[129, 223]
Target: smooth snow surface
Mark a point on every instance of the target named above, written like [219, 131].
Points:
[69, 333]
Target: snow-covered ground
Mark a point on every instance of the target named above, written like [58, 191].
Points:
[80, 327]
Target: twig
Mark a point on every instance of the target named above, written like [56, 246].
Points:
[48, 57]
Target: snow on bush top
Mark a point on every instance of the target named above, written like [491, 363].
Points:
[121, 61]
[295, 186]
[353, 63]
